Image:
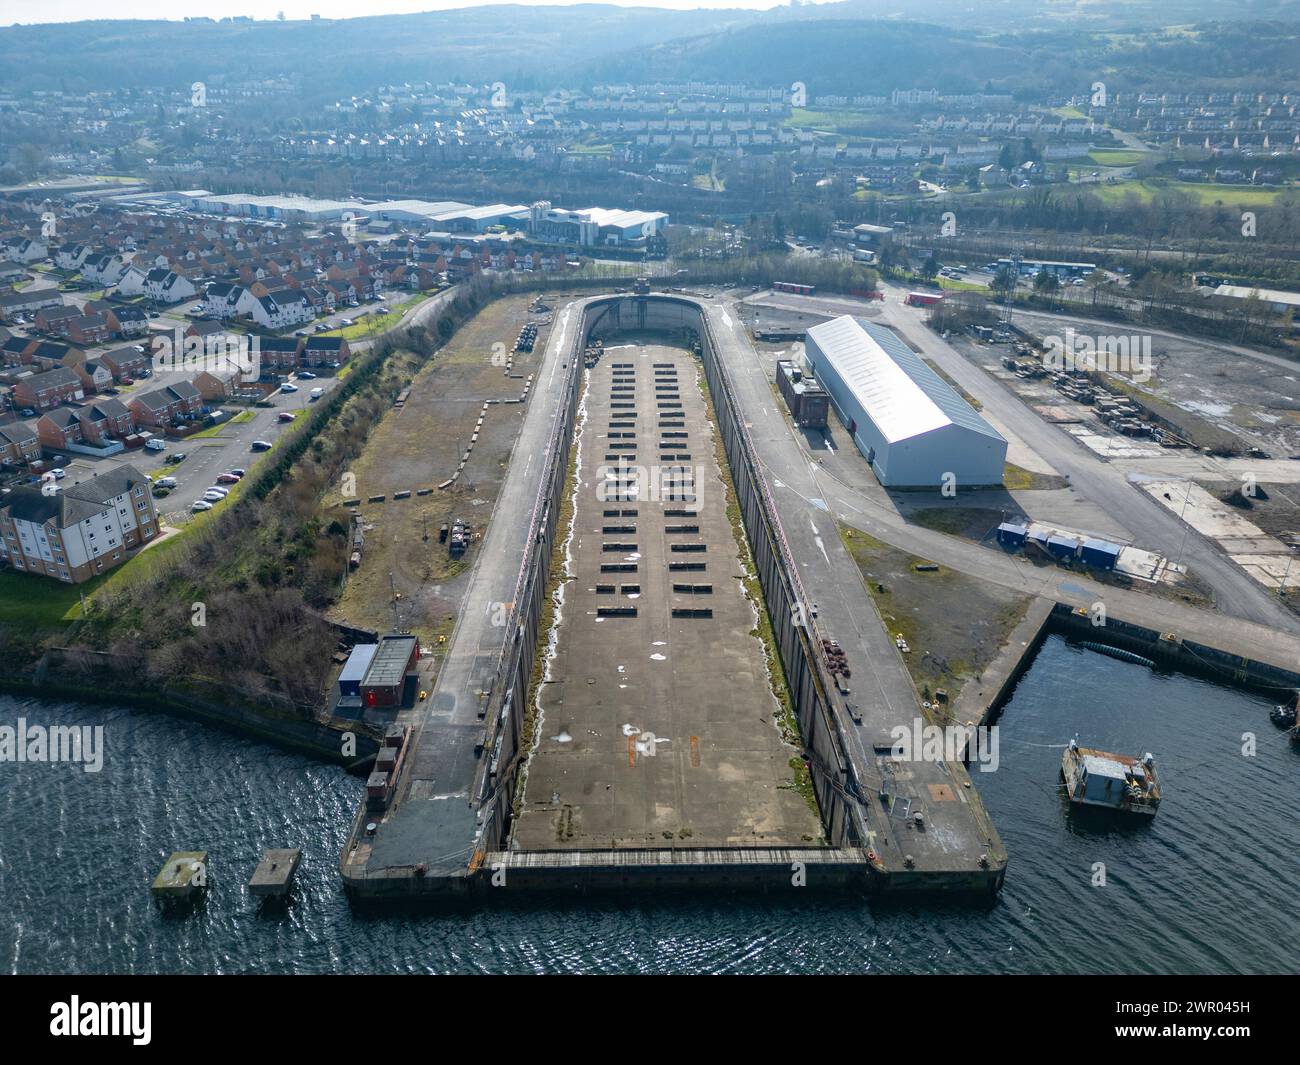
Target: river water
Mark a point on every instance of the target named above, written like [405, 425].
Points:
[1209, 886]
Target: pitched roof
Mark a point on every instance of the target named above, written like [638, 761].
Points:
[901, 394]
[75, 503]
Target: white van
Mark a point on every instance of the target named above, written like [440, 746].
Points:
[315, 394]
[154, 444]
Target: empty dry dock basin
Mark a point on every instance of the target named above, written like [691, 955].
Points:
[658, 720]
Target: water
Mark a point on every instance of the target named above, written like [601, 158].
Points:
[1209, 886]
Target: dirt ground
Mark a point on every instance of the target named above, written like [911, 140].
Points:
[417, 447]
[954, 625]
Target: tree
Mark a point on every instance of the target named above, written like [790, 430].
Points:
[1004, 282]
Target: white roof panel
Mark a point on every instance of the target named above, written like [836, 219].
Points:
[901, 394]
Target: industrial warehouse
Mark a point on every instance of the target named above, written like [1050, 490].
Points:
[585, 227]
[912, 426]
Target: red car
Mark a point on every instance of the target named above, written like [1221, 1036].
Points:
[227, 478]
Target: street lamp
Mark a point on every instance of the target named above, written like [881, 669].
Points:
[1281, 588]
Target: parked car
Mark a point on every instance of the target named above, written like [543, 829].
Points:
[174, 458]
[217, 490]
[166, 482]
[200, 505]
[227, 478]
[260, 445]
[285, 416]
[155, 444]
[288, 386]
[237, 472]
[212, 497]
[306, 375]
[59, 473]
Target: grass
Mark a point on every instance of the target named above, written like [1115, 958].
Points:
[33, 604]
[376, 324]
[41, 606]
[954, 624]
[970, 522]
[1204, 194]
[215, 430]
[1117, 157]
[801, 117]
[950, 285]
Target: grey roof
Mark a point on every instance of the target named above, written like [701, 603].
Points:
[901, 394]
[106, 408]
[18, 433]
[388, 666]
[74, 504]
[61, 416]
[56, 378]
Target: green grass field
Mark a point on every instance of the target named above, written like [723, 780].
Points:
[377, 323]
[242, 416]
[1117, 157]
[1232, 195]
[960, 286]
[38, 605]
[802, 118]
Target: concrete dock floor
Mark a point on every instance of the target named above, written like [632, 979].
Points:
[657, 730]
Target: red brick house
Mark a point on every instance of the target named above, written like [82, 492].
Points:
[125, 362]
[59, 428]
[88, 329]
[163, 406]
[45, 391]
[19, 444]
[279, 354]
[105, 419]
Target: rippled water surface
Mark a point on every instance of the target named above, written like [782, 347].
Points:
[1208, 886]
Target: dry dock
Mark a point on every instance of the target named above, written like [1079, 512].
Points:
[658, 721]
[714, 805]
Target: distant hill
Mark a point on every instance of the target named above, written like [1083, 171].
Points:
[509, 43]
[848, 57]
[832, 48]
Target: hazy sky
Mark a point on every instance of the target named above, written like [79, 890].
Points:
[34, 11]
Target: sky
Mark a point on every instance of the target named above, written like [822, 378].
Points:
[38, 11]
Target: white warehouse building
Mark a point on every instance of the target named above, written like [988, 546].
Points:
[911, 425]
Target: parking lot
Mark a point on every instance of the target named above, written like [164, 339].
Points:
[228, 447]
